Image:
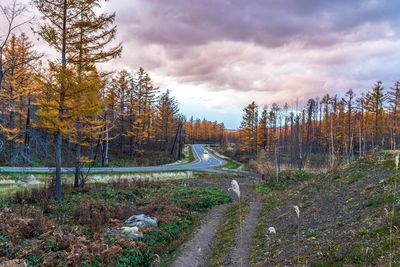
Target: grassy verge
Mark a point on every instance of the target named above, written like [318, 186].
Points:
[226, 234]
[190, 155]
[74, 231]
[230, 165]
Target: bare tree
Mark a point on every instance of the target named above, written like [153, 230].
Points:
[11, 14]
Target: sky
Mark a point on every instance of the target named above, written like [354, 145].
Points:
[216, 56]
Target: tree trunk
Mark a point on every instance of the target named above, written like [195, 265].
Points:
[332, 146]
[27, 132]
[104, 147]
[1, 67]
[57, 182]
[360, 142]
[78, 152]
[276, 164]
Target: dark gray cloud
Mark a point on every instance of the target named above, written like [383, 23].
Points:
[261, 45]
[268, 23]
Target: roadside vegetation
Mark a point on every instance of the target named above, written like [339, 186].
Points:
[230, 165]
[75, 232]
[190, 156]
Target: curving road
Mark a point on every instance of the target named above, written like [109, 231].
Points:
[203, 161]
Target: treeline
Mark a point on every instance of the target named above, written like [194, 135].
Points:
[204, 132]
[66, 110]
[332, 127]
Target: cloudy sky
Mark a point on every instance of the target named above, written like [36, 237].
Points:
[218, 55]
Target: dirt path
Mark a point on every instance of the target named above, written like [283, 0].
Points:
[243, 240]
[196, 251]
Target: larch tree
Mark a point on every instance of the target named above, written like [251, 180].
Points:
[109, 99]
[58, 31]
[394, 102]
[91, 41]
[11, 15]
[263, 130]
[17, 94]
[350, 126]
[167, 111]
[360, 107]
[120, 91]
[144, 98]
[375, 105]
[248, 128]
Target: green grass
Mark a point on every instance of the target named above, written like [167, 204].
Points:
[380, 200]
[8, 190]
[191, 156]
[230, 164]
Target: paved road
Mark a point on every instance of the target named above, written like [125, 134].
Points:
[203, 161]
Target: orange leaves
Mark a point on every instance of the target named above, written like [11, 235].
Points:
[10, 133]
[205, 131]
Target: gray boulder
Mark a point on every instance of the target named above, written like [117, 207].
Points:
[141, 221]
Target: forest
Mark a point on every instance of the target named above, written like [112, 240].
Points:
[329, 130]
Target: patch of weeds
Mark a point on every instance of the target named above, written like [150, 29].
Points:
[198, 199]
[268, 187]
[190, 156]
[363, 231]
[359, 175]
[230, 164]
[380, 200]
[313, 235]
[159, 239]
[52, 244]
[6, 190]
[346, 180]
[134, 257]
[34, 261]
[389, 164]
